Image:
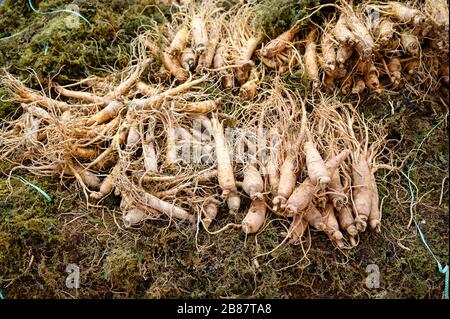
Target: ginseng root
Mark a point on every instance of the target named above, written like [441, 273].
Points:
[249, 89]
[253, 183]
[174, 67]
[317, 171]
[342, 33]
[188, 59]
[106, 188]
[278, 44]
[244, 60]
[395, 69]
[219, 62]
[312, 67]
[288, 178]
[337, 195]
[333, 163]
[410, 43]
[346, 220]
[166, 208]
[210, 210]
[255, 217]
[343, 53]
[372, 80]
[332, 229]
[179, 42]
[364, 41]
[108, 113]
[206, 58]
[225, 172]
[314, 218]
[385, 31]
[328, 54]
[199, 34]
[300, 198]
[406, 14]
[297, 229]
[362, 193]
[375, 213]
[133, 217]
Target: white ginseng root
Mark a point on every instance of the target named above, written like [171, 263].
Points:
[253, 183]
[286, 185]
[255, 217]
[300, 198]
[317, 171]
[225, 172]
[298, 227]
[332, 229]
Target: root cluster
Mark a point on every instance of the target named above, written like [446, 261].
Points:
[163, 142]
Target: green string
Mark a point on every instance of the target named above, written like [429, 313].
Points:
[443, 270]
[42, 192]
[1, 295]
[59, 11]
[12, 36]
[48, 12]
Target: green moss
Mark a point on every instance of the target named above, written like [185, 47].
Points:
[29, 233]
[8, 107]
[276, 16]
[74, 50]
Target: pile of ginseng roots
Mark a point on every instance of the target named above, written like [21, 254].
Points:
[169, 136]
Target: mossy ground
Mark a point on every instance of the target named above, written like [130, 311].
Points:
[39, 239]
